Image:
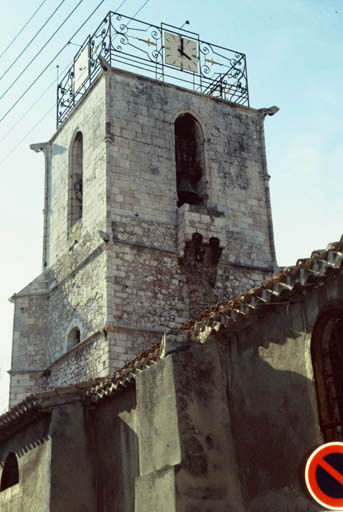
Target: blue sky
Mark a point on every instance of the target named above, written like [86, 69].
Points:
[294, 53]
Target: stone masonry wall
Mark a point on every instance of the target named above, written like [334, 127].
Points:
[148, 287]
[85, 361]
[77, 301]
[142, 198]
[30, 334]
[89, 118]
[136, 264]
[145, 288]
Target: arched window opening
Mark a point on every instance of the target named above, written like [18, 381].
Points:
[76, 180]
[327, 358]
[10, 472]
[74, 337]
[190, 165]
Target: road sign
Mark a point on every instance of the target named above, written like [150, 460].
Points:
[324, 475]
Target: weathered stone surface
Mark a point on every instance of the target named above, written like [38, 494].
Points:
[224, 425]
[125, 271]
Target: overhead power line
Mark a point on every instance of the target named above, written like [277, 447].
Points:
[21, 30]
[51, 61]
[42, 94]
[140, 9]
[31, 41]
[10, 130]
[27, 134]
[40, 51]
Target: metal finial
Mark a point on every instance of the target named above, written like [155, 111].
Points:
[185, 23]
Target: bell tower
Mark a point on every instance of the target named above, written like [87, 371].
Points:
[156, 202]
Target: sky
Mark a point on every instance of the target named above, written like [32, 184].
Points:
[294, 54]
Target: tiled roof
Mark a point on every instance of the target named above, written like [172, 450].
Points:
[282, 288]
[14, 416]
[30, 408]
[90, 391]
[124, 376]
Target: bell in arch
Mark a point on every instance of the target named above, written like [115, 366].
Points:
[186, 192]
[189, 160]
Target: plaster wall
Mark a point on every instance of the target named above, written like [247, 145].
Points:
[185, 439]
[273, 402]
[115, 441]
[72, 472]
[32, 447]
[159, 439]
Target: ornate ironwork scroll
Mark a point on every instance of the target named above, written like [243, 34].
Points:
[137, 46]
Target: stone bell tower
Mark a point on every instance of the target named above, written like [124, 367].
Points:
[156, 205]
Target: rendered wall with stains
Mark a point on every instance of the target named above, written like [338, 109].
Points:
[237, 417]
[225, 425]
[32, 448]
[271, 393]
[114, 433]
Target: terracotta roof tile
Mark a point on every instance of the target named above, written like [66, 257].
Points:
[283, 287]
[14, 416]
[124, 376]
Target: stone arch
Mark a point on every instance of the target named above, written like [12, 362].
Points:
[10, 472]
[190, 160]
[75, 192]
[74, 337]
[327, 360]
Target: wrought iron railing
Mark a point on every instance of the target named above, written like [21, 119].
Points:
[137, 46]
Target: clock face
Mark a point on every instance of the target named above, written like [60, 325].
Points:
[181, 52]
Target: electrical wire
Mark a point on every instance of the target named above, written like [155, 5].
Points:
[38, 99]
[40, 51]
[21, 30]
[31, 41]
[10, 130]
[140, 9]
[27, 134]
[52, 60]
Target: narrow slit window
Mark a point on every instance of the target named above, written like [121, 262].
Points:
[76, 180]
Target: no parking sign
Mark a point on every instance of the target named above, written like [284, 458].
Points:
[324, 475]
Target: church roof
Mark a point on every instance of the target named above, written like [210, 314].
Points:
[33, 406]
[121, 378]
[285, 287]
[91, 391]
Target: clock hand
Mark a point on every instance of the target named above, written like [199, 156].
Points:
[183, 53]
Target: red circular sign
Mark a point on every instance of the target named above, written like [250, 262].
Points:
[324, 475]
